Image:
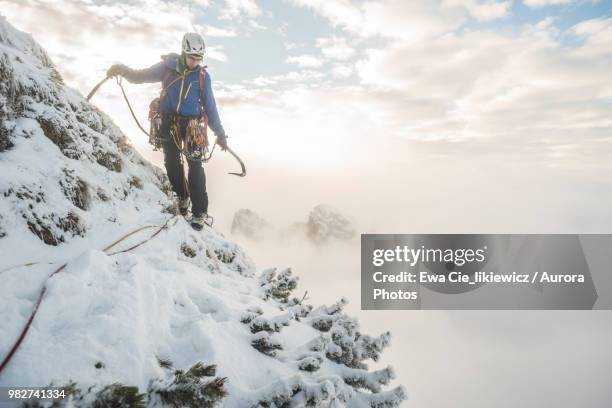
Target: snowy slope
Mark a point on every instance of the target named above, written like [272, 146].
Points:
[71, 185]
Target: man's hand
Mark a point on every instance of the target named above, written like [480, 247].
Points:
[117, 69]
[222, 142]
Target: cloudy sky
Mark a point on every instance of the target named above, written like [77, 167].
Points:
[411, 116]
[329, 78]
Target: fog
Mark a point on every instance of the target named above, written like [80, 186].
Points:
[444, 358]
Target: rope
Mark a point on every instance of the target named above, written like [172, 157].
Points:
[95, 89]
[130, 106]
[25, 329]
[127, 235]
[141, 242]
[29, 322]
[25, 264]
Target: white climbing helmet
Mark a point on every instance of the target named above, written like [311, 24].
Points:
[193, 44]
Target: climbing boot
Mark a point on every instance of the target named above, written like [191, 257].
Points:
[183, 205]
[199, 220]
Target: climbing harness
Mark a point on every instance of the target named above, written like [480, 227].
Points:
[192, 150]
[25, 329]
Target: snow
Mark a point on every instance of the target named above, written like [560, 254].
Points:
[69, 176]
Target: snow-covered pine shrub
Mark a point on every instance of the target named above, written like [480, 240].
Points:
[297, 392]
[251, 313]
[340, 349]
[309, 363]
[278, 285]
[71, 390]
[324, 317]
[264, 343]
[112, 395]
[164, 362]
[348, 346]
[118, 395]
[195, 388]
[329, 391]
[273, 324]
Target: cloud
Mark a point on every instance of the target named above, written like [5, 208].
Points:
[305, 61]
[488, 10]
[235, 9]
[396, 19]
[406, 20]
[212, 31]
[543, 3]
[597, 37]
[335, 48]
[257, 26]
[216, 53]
[489, 84]
[342, 71]
[292, 46]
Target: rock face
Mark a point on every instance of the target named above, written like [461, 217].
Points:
[64, 163]
[325, 223]
[163, 317]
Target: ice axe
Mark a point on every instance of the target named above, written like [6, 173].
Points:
[243, 172]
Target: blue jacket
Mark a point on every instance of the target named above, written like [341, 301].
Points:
[183, 95]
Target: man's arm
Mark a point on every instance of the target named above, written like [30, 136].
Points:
[210, 106]
[154, 73]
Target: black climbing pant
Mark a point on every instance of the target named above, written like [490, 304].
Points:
[174, 165]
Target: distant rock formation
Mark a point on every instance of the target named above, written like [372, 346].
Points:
[250, 224]
[324, 223]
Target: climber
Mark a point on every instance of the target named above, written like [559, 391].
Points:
[182, 100]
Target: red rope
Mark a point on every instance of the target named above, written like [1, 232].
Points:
[25, 329]
[29, 323]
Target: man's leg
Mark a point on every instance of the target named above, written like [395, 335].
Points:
[172, 160]
[197, 187]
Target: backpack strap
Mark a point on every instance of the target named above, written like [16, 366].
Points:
[164, 79]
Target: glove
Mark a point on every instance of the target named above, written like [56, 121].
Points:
[222, 142]
[116, 69]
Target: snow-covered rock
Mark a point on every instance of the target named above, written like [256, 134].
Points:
[185, 318]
